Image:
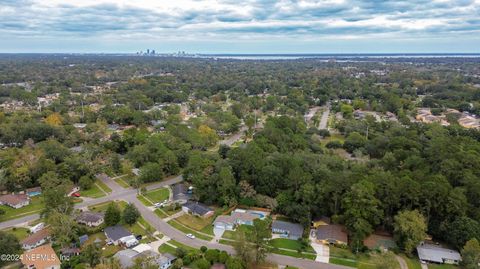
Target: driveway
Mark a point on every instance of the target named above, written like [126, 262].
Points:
[323, 252]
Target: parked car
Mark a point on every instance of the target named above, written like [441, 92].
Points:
[76, 194]
[191, 236]
[157, 205]
[138, 237]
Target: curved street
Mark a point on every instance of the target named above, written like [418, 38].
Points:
[130, 195]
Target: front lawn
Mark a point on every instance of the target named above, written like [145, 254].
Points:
[102, 207]
[233, 234]
[36, 205]
[122, 182]
[158, 195]
[165, 248]
[194, 222]
[144, 200]
[187, 230]
[93, 192]
[180, 245]
[412, 263]
[19, 233]
[289, 244]
[295, 254]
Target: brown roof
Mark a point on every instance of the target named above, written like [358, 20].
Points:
[41, 258]
[34, 238]
[13, 199]
[332, 232]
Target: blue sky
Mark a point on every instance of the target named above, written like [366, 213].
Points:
[234, 26]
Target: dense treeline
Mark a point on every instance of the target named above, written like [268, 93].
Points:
[428, 168]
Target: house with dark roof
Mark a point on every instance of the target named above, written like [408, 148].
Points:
[91, 219]
[180, 194]
[115, 233]
[197, 209]
[332, 234]
[288, 230]
[37, 239]
[83, 239]
[437, 254]
[15, 200]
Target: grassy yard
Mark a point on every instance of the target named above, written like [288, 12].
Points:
[180, 245]
[36, 205]
[208, 230]
[164, 248]
[289, 244]
[412, 263]
[158, 195]
[160, 213]
[144, 200]
[345, 262]
[93, 192]
[194, 222]
[346, 257]
[103, 206]
[122, 181]
[187, 230]
[295, 254]
[233, 234]
[19, 233]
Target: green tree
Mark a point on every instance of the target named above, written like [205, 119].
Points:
[91, 254]
[62, 227]
[112, 215]
[8, 245]
[354, 141]
[409, 229]
[130, 214]
[258, 237]
[347, 110]
[362, 211]
[235, 263]
[151, 172]
[471, 254]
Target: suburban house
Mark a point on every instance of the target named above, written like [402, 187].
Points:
[91, 219]
[180, 194]
[70, 252]
[238, 217]
[127, 257]
[437, 254]
[33, 191]
[15, 200]
[36, 239]
[73, 190]
[197, 209]
[119, 235]
[288, 230]
[332, 234]
[31, 259]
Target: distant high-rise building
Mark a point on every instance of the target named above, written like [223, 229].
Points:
[148, 51]
[153, 52]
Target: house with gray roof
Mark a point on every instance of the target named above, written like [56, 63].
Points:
[288, 230]
[197, 209]
[126, 257]
[115, 233]
[180, 194]
[437, 254]
[91, 219]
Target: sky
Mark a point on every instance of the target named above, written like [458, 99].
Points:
[236, 26]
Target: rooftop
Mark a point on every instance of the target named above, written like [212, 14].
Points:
[13, 199]
[116, 232]
[332, 232]
[433, 253]
[294, 229]
[198, 208]
[88, 216]
[49, 258]
[36, 237]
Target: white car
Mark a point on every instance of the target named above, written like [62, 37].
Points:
[191, 236]
[157, 205]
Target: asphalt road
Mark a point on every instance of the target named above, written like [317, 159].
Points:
[324, 120]
[130, 195]
[234, 138]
